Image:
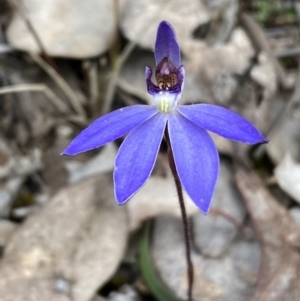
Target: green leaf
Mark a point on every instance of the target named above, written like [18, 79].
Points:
[150, 275]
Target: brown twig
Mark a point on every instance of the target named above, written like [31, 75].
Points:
[240, 226]
[56, 101]
[115, 75]
[21, 8]
[278, 236]
[48, 65]
[63, 85]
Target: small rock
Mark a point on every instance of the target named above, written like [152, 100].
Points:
[74, 244]
[246, 256]
[157, 197]
[63, 286]
[6, 230]
[214, 233]
[5, 48]
[230, 277]
[126, 293]
[284, 135]
[42, 198]
[8, 193]
[74, 29]
[20, 165]
[295, 213]
[139, 19]
[264, 74]
[287, 174]
[102, 162]
[99, 298]
[23, 212]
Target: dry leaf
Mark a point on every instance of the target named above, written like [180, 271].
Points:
[278, 235]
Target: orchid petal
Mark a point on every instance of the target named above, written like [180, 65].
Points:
[196, 159]
[181, 76]
[136, 157]
[166, 45]
[151, 88]
[222, 122]
[110, 127]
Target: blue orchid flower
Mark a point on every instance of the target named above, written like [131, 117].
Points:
[195, 155]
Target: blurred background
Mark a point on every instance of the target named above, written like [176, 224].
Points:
[62, 235]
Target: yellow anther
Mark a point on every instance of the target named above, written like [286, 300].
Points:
[164, 105]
